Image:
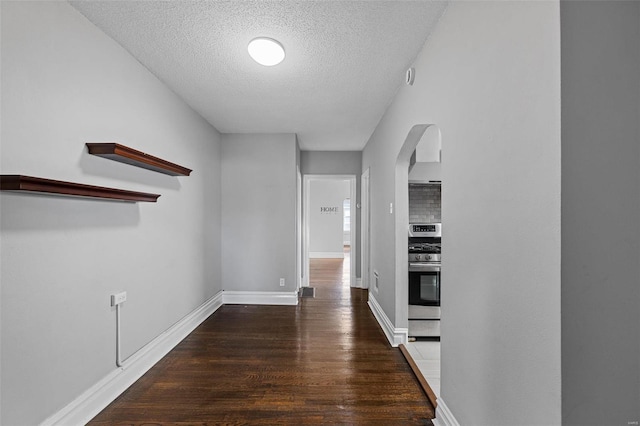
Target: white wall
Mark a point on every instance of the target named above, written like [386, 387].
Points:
[489, 78]
[326, 237]
[65, 83]
[600, 212]
[259, 212]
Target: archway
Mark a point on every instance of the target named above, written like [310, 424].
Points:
[432, 137]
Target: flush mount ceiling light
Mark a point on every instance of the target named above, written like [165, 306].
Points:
[266, 51]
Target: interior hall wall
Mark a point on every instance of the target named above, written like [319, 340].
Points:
[326, 217]
[600, 212]
[259, 212]
[339, 163]
[489, 78]
[64, 83]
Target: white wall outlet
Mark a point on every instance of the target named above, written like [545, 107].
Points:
[390, 208]
[281, 282]
[118, 298]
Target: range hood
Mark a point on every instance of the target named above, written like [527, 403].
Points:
[424, 172]
[425, 162]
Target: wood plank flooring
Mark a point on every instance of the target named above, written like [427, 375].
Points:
[325, 361]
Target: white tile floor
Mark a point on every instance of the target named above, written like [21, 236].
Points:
[426, 354]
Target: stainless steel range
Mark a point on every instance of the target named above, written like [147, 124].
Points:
[424, 279]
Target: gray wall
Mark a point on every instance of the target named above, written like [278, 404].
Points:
[600, 212]
[489, 78]
[259, 212]
[331, 162]
[65, 83]
[338, 163]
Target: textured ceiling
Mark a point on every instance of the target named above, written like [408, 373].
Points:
[345, 60]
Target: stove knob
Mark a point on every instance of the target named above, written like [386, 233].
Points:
[417, 257]
[429, 257]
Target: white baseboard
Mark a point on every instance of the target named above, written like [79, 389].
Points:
[326, 255]
[444, 416]
[259, 298]
[97, 397]
[396, 336]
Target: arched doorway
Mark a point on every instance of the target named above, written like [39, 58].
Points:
[430, 135]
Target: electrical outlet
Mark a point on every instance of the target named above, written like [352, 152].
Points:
[281, 282]
[118, 298]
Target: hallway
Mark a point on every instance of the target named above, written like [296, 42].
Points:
[323, 361]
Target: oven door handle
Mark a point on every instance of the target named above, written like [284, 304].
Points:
[424, 267]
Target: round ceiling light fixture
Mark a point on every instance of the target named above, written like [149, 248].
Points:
[266, 51]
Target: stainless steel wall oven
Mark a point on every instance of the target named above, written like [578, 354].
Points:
[424, 285]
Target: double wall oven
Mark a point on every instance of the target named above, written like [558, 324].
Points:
[424, 279]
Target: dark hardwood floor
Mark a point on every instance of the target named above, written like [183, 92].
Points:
[325, 361]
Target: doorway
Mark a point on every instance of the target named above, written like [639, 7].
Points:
[419, 160]
[326, 232]
[402, 217]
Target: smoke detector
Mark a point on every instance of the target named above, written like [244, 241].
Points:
[411, 76]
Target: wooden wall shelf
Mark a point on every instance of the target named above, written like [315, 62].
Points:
[124, 154]
[48, 186]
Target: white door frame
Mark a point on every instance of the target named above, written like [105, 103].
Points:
[365, 251]
[305, 224]
[298, 229]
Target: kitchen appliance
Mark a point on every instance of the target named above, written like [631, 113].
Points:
[428, 230]
[424, 279]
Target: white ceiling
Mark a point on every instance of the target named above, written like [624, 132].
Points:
[345, 60]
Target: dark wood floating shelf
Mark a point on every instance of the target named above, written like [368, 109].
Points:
[48, 186]
[124, 154]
